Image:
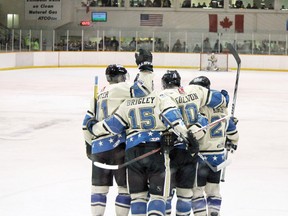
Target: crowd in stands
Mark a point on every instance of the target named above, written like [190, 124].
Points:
[112, 44]
[238, 4]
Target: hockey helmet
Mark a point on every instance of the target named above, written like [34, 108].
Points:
[116, 73]
[202, 81]
[171, 79]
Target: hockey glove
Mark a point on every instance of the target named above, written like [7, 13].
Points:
[192, 145]
[144, 60]
[90, 123]
[167, 142]
[230, 146]
[226, 95]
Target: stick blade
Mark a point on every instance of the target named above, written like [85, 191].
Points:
[106, 166]
[226, 163]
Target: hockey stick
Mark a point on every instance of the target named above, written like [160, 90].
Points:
[95, 95]
[238, 61]
[115, 167]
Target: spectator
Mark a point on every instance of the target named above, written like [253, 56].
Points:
[114, 44]
[217, 47]
[148, 3]
[220, 3]
[249, 6]
[166, 3]
[93, 3]
[271, 7]
[254, 6]
[239, 4]
[199, 5]
[157, 3]
[197, 49]
[166, 48]
[104, 45]
[132, 44]
[186, 4]
[27, 41]
[114, 3]
[35, 45]
[177, 46]
[263, 6]
[206, 45]
[159, 45]
[213, 4]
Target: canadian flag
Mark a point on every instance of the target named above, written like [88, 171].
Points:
[226, 23]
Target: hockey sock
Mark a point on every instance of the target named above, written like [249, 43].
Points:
[199, 206]
[122, 204]
[139, 207]
[156, 207]
[183, 207]
[214, 204]
[168, 206]
[98, 204]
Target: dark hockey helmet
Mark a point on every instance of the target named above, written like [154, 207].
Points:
[202, 81]
[116, 73]
[171, 79]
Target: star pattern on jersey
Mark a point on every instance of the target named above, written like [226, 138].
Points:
[100, 143]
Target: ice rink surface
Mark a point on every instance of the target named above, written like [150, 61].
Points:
[44, 170]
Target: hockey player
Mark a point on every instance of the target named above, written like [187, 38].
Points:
[189, 99]
[139, 117]
[110, 148]
[212, 63]
[206, 193]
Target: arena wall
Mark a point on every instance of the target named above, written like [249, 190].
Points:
[20, 60]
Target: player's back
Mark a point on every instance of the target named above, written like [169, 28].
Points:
[189, 100]
[110, 98]
[214, 139]
[141, 116]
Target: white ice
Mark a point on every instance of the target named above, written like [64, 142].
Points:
[44, 170]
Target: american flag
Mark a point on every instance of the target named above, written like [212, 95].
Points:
[151, 19]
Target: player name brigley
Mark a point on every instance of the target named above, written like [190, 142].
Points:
[144, 100]
[186, 98]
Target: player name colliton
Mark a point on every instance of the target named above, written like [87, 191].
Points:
[140, 101]
[186, 98]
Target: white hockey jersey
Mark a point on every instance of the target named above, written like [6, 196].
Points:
[212, 144]
[191, 98]
[108, 100]
[140, 118]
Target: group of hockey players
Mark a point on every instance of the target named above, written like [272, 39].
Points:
[128, 121]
